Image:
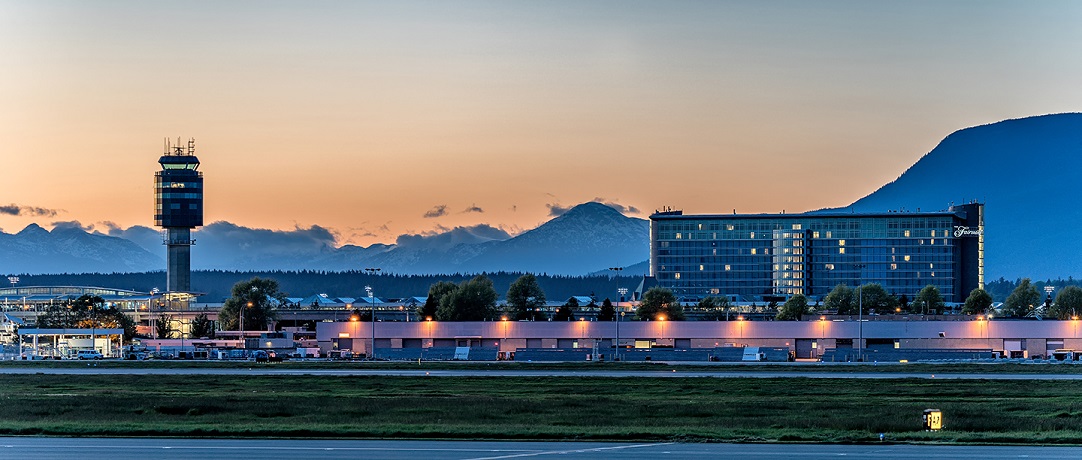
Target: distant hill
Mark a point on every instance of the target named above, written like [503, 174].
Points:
[1027, 173]
[588, 237]
[71, 250]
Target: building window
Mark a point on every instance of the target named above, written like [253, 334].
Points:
[752, 251]
[841, 242]
[728, 267]
[907, 233]
[676, 275]
[906, 258]
[700, 267]
[678, 236]
[796, 226]
[841, 250]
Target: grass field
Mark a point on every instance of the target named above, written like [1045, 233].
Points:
[688, 409]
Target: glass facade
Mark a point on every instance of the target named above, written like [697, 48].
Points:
[755, 257]
[178, 193]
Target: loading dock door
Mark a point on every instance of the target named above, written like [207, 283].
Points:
[804, 348]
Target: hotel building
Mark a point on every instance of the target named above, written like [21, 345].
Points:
[763, 257]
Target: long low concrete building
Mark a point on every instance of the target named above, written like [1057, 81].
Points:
[806, 339]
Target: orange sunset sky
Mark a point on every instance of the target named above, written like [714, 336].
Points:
[363, 117]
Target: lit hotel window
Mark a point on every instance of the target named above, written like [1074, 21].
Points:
[931, 265]
[678, 236]
[841, 242]
[841, 250]
[729, 227]
[728, 267]
[830, 266]
[753, 251]
[753, 235]
[828, 234]
[796, 226]
[893, 266]
[906, 258]
[907, 233]
[700, 267]
[676, 275]
[701, 228]
[933, 233]
[815, 234]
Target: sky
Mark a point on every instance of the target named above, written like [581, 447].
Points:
[377, 119]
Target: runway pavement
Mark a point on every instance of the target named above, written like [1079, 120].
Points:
[675, 372]
[240, 449]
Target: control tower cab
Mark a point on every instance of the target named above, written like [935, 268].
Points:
[178, 208]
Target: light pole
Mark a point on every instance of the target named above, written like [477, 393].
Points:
[372, 304]
[860, 313]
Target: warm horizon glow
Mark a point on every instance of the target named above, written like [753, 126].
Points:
[364, 117]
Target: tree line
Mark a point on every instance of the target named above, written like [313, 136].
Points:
[217, 284]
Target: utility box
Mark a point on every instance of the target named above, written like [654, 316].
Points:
[933, 419]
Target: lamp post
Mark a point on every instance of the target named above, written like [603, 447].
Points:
[860, 312]
[372, 304]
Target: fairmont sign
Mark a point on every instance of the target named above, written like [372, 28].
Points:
[960, 231]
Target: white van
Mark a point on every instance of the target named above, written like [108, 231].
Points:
[89, 354]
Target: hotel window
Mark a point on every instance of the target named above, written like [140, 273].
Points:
[752, 251]
[700, 267]
[893, 266]
[678, 236]
[828, 234]
[753, 235]
[906, 233]
[676, 275]
[796, 226]
[841, 242]
[841, 250]
[906, 258]
[815, 234]
[729, 227]
[728, 267]
[829, 266]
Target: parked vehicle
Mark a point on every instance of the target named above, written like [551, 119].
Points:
[89, 354]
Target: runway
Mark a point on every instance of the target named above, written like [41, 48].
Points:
[239, 449]
[675, 372]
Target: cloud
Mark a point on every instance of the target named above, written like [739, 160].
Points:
[617, 206]
[439, 210]
[557, 210]
[17, 210]
[473, 208]
[444, 238]
[69, 224]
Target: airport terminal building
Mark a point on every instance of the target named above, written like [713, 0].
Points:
[762, 257]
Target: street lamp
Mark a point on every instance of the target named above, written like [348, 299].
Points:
[372, 304]
[372, 271]
[860, 313]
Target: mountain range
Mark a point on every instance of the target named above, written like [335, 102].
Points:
[1025, 171]
[588, 237]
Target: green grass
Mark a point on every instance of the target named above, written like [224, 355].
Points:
[687, 409]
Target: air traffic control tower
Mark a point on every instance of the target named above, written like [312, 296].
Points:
[178, 208]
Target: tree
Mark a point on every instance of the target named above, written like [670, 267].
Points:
[978, 301]
[793, 308]
[842, 300]
[607, 312]
[473, 300]
[1068, 303]
[876, 298]
[163, 328]
[566, 312]
[436, 293]
[930, 301]
[525, 298]
[87, 311]
[714, 308]
[1021, 300]
[903, 303]
[202, 327]
[257, 297]
[659, 302]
